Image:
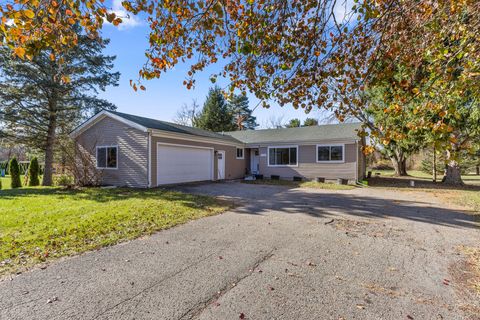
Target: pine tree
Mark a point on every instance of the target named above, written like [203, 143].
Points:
[33, 171]
[242, 115]
[215, 115]
[49, 94]
[14, 170]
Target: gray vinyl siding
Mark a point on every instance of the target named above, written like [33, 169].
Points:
[308, 167]
[234, 168]
[132, 152]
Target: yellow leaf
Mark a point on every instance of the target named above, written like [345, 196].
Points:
[415, 90]
[29, 14]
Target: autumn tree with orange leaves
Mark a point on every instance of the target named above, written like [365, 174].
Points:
[299, 52]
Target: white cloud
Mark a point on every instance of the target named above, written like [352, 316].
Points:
[128, 20]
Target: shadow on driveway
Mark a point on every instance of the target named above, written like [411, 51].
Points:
[260, 199]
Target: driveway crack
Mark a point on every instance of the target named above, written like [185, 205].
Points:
[199, 307]
[153, 285]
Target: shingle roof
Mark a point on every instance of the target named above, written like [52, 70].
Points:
[173, 127]
[341, 131]
[344, 131]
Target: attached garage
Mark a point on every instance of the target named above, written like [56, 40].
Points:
[183, 163]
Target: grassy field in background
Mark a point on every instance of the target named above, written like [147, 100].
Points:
[467, 179]
[39, 224]
[468, 195]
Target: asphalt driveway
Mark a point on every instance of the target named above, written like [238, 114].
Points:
[281, 254]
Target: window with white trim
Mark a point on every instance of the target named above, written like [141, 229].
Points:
[330, 153]
[107, 157]
[240, 153]
[282, 156]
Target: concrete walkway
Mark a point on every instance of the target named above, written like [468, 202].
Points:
[283, 254]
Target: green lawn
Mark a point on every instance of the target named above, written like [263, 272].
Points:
[39, 224]
[468, 195]
[302, 184]
[467, 179]
[5, 182]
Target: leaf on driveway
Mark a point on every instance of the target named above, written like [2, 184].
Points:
[242, 316]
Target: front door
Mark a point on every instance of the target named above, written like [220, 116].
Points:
[255, 161]
[220, 165]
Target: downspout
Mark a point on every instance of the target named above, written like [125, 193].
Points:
[356, 162]
[149, 159]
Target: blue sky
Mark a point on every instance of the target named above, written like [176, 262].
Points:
[166, 95]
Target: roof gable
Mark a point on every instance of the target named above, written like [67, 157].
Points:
[101, 115]
[144, 124]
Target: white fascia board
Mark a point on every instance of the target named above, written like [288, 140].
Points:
[189, 137]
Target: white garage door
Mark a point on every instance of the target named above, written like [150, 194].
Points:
[177, 164]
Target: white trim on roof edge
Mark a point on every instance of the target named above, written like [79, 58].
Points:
[101, 115]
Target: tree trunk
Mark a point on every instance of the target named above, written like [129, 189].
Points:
[49, 147]
[453, 174]
[452, 170]
[478, 170]
[403, 167]
[399, 162]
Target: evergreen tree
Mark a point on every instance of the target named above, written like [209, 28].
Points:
[294, 123]
[33, 172]
[242, 115]
[310, 122]
[14, 170]
[215, 115]
[49, 94]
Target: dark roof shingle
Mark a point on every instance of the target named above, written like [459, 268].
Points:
[172, 127]
[341, 131]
